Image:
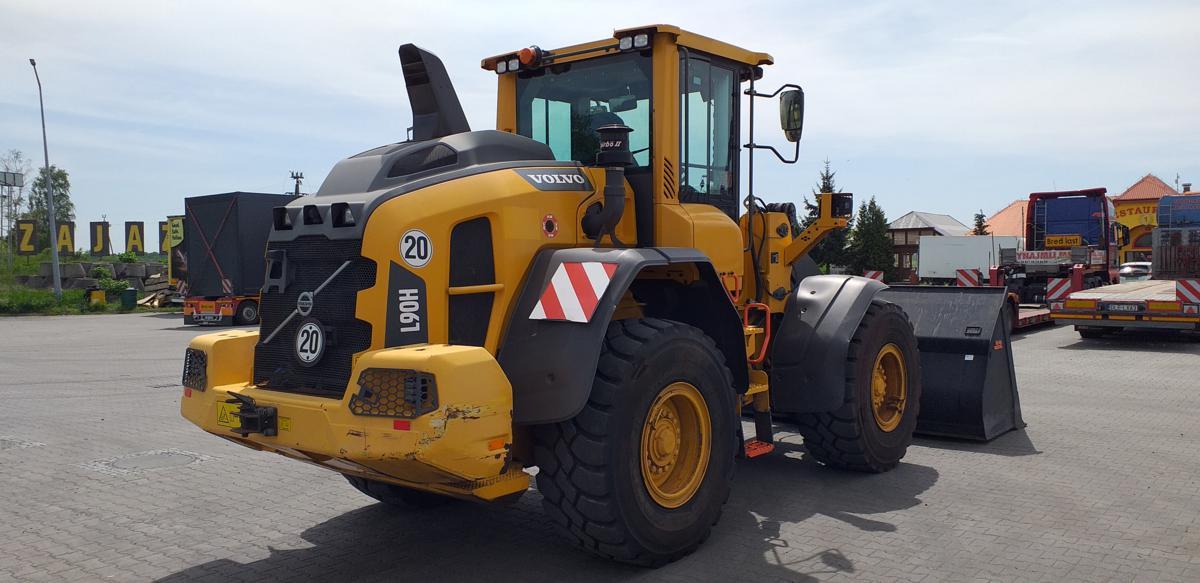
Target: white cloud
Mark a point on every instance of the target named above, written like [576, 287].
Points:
[211, 95]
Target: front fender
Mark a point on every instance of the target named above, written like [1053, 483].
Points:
[551, 364]
[808, 353]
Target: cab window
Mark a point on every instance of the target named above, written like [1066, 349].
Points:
[563, 105]
[708, 105]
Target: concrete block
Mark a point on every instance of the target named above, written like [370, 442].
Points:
[135, 270]
[36, 281]
[71, 270]
[155, 269]
[22, 279]
[81, 283]
[45, 269]
[135, 283]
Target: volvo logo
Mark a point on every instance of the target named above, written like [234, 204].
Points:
[555, 178]
[304, 303]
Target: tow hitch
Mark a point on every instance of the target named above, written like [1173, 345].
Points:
[254, 419]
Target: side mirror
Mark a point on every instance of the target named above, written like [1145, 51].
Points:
[1122, 235]
[791, 114]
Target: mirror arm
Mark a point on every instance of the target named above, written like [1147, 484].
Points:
[753, 93]
[795, 155]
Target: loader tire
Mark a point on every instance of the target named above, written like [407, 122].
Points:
[858, 436]
[599, 472]
[397, 496]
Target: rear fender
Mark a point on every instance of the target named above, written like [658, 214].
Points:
[551, 363]
[808, 353]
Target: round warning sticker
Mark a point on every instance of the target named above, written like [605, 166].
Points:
[415, 248]
[310, 343]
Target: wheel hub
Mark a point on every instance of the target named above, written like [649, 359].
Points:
[676, 440]
[889, 387]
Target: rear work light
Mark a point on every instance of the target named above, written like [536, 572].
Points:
[392, 392]
[195, 369]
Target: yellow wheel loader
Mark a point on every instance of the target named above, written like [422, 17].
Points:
[591, 289]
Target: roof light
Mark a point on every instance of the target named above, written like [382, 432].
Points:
[283, 221]
[501, 66]
[531, 56]
[514, 64]
[312, 216]
[342, 215]
[641, 40]
[625, 43]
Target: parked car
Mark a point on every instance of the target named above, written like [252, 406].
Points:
[1135, 271]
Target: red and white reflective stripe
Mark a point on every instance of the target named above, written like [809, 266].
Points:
[574, 291]
[1187, 291]
[1058, 288]
[968, 277]
[875, 275]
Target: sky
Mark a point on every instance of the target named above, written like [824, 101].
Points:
[947, 107]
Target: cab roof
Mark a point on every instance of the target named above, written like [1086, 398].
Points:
[681, 37]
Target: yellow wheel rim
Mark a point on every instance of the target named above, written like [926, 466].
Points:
[676, 440]
[889, 387]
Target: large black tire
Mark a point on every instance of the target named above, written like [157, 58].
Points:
[590, 470]
[397, 496]
[247, 313]
[849, 437]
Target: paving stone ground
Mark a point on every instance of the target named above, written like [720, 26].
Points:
[100, 479]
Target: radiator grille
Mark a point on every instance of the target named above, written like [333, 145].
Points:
[309, 262]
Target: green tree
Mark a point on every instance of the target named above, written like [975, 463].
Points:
[981, 226]
[64, 209]
[832, 250]
[870, 247]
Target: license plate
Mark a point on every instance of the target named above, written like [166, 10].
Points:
[1123, 307]
[227, 415]
[207, 317]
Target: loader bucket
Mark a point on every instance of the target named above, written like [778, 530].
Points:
[969, 386]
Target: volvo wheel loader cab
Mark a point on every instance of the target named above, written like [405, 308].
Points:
[591, 289]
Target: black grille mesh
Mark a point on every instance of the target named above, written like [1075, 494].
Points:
[195, 369]
[310, 261]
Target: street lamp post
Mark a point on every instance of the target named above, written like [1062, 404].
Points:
[54, 271]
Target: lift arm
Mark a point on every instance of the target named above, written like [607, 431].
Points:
[834, 210]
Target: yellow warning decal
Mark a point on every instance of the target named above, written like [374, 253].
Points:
[227, 415]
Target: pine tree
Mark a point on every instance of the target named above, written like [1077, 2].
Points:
[64, 209]
[981, 226]
[870, 247]
[832, 250]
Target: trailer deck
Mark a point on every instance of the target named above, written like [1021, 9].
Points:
[1029, 316]
[1135, 304]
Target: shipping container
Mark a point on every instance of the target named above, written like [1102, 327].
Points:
[226, 240]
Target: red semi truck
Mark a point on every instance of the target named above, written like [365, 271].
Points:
[1071, 242]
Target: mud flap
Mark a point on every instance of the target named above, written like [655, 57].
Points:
[969, 383]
